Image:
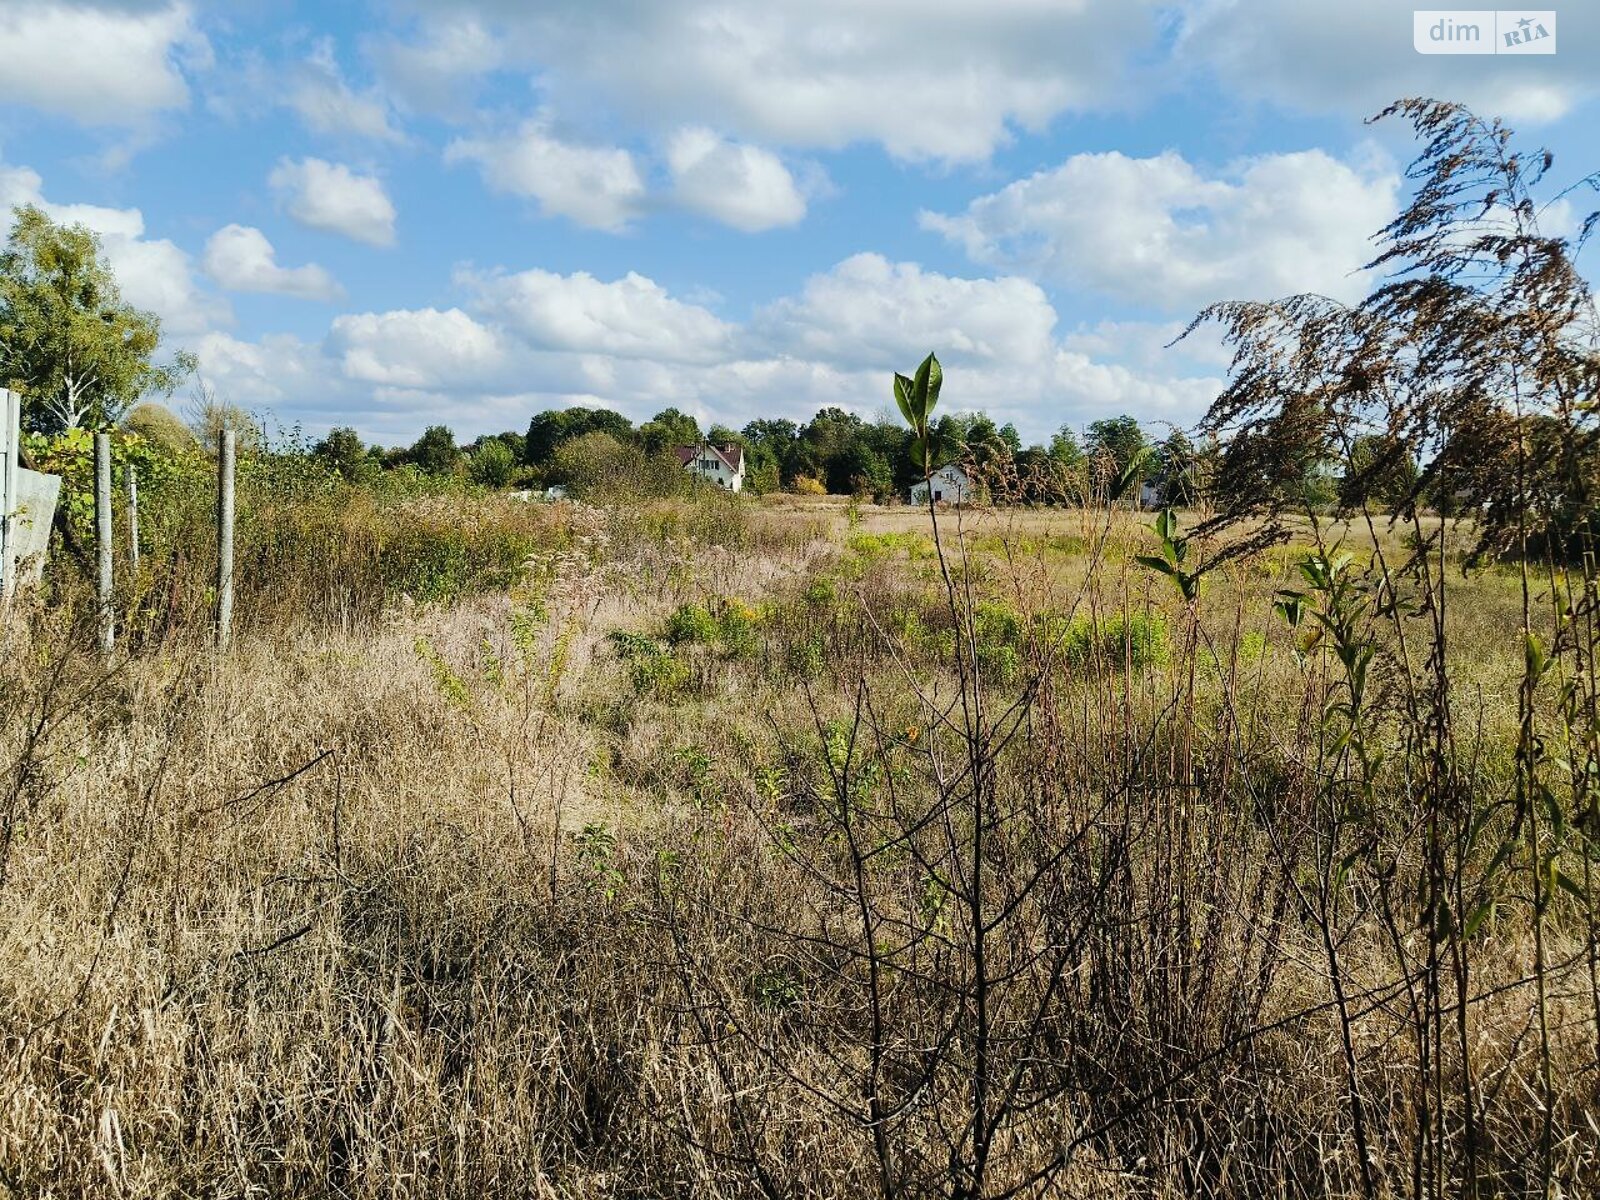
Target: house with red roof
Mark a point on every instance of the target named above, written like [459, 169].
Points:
[721, 465]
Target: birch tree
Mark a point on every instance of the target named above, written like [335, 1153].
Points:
[80, 355]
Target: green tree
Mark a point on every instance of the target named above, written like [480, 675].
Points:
[435, 452]
[1114, 443]
[492, 463]
[1378, 468]
[598, 465]
[160, 427]
[549, 429]
[345, 452]
[79, 353]
[1179, 470]
[668, 430]
[1064, 448]
[763, 472]
[859, 470]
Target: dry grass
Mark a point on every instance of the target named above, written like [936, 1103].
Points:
[446, 906]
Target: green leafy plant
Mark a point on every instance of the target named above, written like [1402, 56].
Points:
[918, 396]
[651, 666]
[690, 624]
[1173, 557]
[596, 849]
[451, 686]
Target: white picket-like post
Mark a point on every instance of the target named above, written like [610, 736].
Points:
[133, 520]
[225, 469]
[102, 528]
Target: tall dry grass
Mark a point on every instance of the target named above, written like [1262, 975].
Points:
[458, 900]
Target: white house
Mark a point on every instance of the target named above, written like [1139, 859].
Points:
[721, 465]
[950, 485]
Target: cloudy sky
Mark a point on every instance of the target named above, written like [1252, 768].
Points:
[390, 213]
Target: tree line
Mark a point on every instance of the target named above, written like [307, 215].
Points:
[841, 453]
[84, 358]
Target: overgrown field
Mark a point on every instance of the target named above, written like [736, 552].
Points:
[719, 848]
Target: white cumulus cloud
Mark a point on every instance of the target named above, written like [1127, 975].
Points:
[153, 273]
[332, 197]
[433, 72]
[743, 186]
[98, 64]
[317, 91]
[416, 348]
[1355, 59]
[241, 259]
[868, 311]
[1159, 231]
[631, 317]
[595, 186]
[938, 79]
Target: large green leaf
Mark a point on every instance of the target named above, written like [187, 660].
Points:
[903, 396]
[929, 379]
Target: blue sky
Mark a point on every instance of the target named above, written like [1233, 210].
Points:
[402, 212]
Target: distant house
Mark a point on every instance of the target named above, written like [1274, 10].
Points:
[721, 465]
[950, 485]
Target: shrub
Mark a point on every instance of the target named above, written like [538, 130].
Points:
[737, 624]
[651, 666]
[690, 624]
[493, 464]
[997, 634]
[1136, 640]
[820, 593]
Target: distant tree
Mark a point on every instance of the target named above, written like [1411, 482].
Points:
[830, 432]
[515, 442]
[669, 429]
[549, 429]
[160, 426]
[79, 353]
[1178, 470]
[763, 472]
[210, 417]
[1064, 448]
[492, 464]
[770, 444]
[775, 432]
[600, 465]
[1114, 443]
[859, 470]
[435, 452]
[1378, 469]
[1069, 467]
[344, 451]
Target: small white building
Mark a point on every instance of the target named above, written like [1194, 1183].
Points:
[721, 465]
[950, 485]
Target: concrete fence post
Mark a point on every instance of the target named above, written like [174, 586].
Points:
[10, 444]
[226, 451]
[102, 529]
